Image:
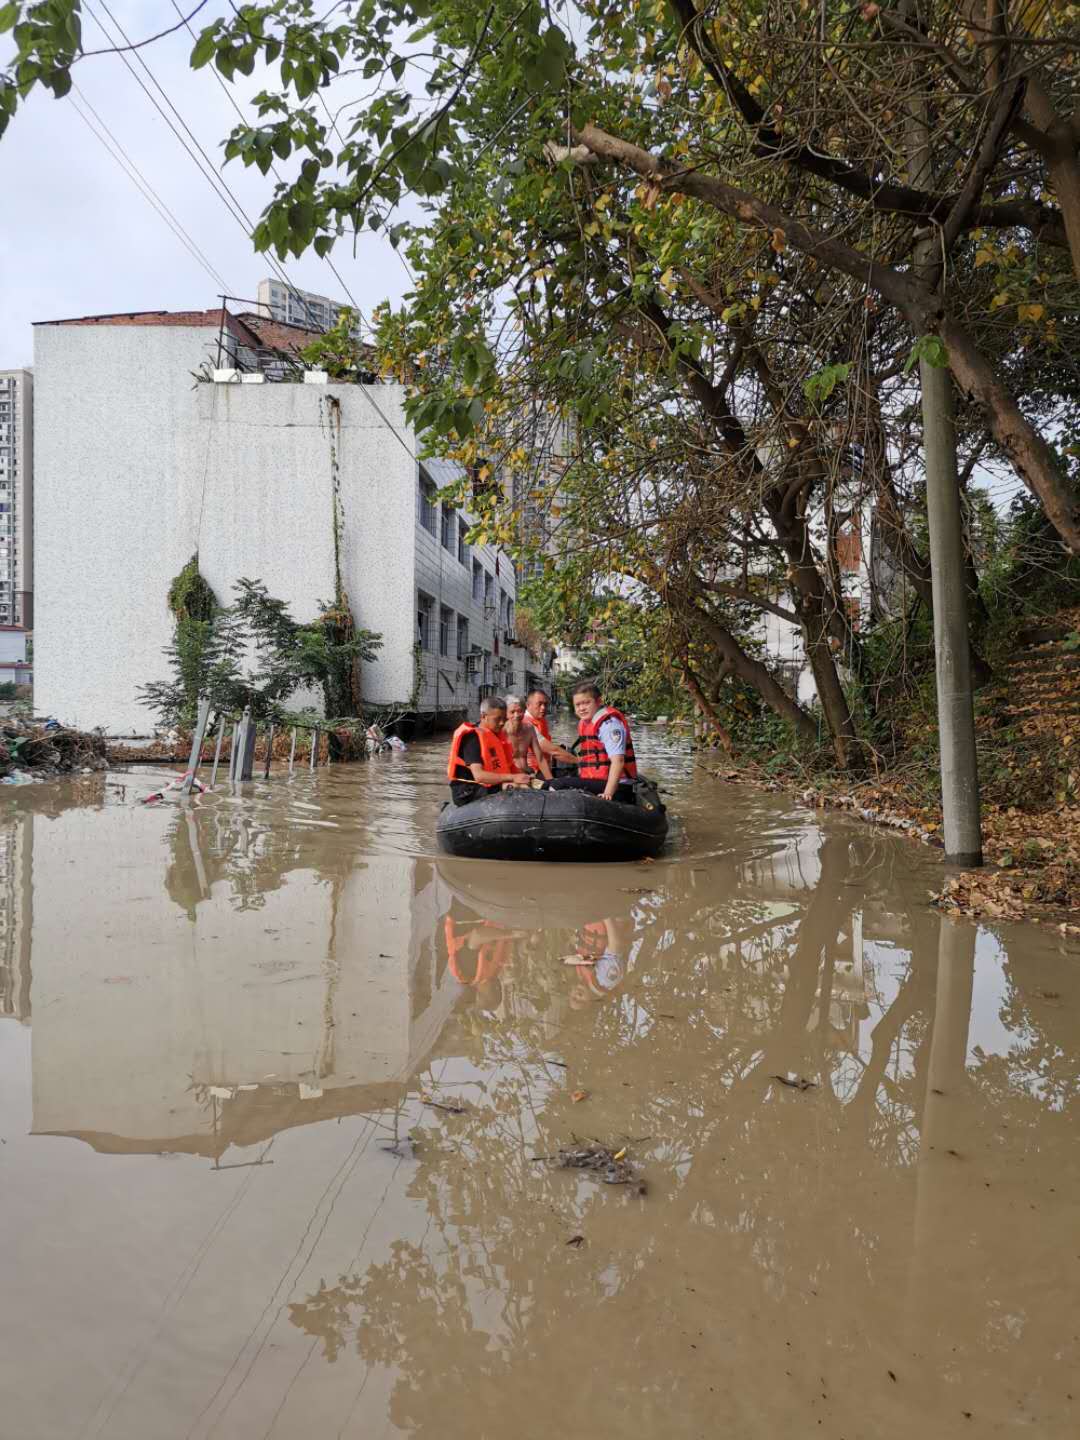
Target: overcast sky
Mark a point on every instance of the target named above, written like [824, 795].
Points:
[77, 237]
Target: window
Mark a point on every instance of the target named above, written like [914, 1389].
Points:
[424, 608]
[487, 667]
[446, 626]
[426, 503]
[509, 614]
[462, 547]
[504, 601]
[489, 591]
[447, 535]
[477, 582]
[462, 637]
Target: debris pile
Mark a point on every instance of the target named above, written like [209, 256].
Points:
[611, 1167]
[37, 749]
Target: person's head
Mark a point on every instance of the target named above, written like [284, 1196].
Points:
[537, 703]
[586, 700]
[515, 709]
[493, 713]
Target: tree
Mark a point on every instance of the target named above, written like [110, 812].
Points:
[695, 242]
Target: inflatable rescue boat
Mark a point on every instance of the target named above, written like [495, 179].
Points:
[555, 825]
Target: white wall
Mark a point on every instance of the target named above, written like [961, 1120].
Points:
[119, 458]
[139, 466]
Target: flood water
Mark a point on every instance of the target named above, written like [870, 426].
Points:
[228, 1210]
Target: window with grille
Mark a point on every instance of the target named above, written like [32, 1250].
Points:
[462, 637]
[462, 547]
[425, 607]
[446, 628]
[426, 503]
[448, 527]
[477, 582]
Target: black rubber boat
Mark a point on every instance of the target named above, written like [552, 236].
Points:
[554, 825]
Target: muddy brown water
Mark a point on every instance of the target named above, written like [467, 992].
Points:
[228, 1210]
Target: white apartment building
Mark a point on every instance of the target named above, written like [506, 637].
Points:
[17, 498]
[141, 467]
[291, 306]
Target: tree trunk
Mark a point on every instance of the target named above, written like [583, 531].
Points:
[705, 705]
[1062, 160]
[756, 675]
[818, 611]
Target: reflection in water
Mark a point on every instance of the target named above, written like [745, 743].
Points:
[354, 1054]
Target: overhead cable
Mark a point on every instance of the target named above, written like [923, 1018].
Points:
[116, 150]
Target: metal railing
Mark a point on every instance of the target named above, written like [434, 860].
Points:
[242, 746]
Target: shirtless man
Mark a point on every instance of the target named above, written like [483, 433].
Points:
[525, 739]
[536, 708]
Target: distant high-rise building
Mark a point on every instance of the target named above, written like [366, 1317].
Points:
[297, 307]
[17, 498]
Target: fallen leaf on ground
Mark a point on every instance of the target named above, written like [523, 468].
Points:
[578, 1096]
[576, 1241]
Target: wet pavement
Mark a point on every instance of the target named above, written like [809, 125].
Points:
[277, 1085]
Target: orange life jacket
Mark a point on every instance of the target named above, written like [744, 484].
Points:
[496, 752]
[491, 958]
[541, 726]
[595, 763]
[540, 722]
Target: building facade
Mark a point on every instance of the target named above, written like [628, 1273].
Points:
[17, 498]
[296, 307]
[141, 468]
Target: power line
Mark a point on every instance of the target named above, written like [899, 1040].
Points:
[220, 188]
[218, 185]
[116, 150]
[277, 174]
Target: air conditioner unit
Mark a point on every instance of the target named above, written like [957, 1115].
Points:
[473, 664]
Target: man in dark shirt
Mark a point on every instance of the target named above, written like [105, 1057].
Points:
[470, 758]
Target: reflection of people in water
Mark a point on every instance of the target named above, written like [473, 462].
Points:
[479, 952]
[604, 947]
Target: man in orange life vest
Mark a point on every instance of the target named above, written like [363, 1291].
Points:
[606, 761]
[536, 708]
[481, 759]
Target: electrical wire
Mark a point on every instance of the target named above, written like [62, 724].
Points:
[221, 189]
[116, 150]
[208, 172]
[276, 172]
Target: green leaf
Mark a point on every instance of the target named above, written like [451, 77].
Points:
[820, 386]
[8, 15]
[930, 348]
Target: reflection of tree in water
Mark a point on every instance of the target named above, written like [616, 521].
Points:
[731, 1162]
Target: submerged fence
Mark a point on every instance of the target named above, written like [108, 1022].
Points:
[242, 747]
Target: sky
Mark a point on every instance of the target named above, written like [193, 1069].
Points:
[78, 238]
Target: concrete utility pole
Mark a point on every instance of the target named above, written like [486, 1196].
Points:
[952, 652]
